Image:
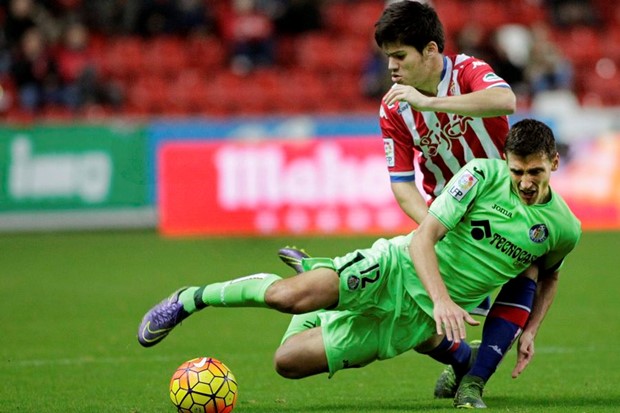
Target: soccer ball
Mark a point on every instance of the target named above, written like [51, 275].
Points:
[203, 385]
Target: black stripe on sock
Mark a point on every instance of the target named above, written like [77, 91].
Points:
[198, 299]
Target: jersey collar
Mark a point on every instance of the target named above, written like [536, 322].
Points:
[444, 83]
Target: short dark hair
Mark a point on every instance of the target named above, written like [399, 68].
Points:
[409, 23]
[530, 136]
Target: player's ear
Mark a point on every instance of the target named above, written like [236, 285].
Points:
[430, 49]
[555, 162]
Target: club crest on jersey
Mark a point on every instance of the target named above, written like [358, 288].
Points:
[463, 184]
[388, 147]
[353, 283]
[539, 233]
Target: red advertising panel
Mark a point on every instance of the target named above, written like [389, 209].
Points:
[276, 187]
[589, 181]
[336, 186]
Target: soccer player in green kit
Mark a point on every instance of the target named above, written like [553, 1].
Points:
[492, 222]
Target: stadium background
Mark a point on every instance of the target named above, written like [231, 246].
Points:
[105, 208]
[272, 123]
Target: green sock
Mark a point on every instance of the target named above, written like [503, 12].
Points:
[241, 292]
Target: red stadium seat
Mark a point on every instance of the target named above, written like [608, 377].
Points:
[579, 44]
[487, 14]
[123, 57]
[451, 13]
[165, 56]
[526, 12]
[334, 12]
[599, 91]
[148, 95]
[350, 53]
[315, 52]
[224, 94]
[353, 18]
[189, 92]
[206, 52]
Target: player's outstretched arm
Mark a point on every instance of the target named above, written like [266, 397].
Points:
[496, 101]
[449, 317]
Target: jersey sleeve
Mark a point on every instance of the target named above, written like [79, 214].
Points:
[460, 192]
[554, 259]
[398, 145]
[479, 75]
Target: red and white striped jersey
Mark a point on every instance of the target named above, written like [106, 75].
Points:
[442, 143]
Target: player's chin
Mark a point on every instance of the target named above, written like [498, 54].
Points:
[528, 198]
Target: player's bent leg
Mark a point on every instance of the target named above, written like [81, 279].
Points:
[310, 291]
[505, 321]
[241, 292]
[293, 257]
[459, 358]
[450, 378]
[302, 355]
[313, 290]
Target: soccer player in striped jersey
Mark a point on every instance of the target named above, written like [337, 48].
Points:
[495, 218]
[442, 112]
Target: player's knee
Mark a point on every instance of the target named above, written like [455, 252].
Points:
[280, 297]
[287, 365]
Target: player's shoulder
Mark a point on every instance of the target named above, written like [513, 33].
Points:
[486, 168]
[462, 61]
[479, 173]
[394, 110]
[569, 220]
[474, 68]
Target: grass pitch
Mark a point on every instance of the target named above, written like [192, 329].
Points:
[70, 305]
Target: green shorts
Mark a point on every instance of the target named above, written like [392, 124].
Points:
[376, 318]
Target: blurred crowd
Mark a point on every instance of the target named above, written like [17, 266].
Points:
[45, 45]
[529, 55]
[47, 52]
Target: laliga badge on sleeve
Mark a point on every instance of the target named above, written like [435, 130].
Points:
[462, 185]
[388, 147]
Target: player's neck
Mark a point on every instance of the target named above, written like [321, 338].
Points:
[436, 72]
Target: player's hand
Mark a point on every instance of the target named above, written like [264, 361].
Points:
[525, 353]
[451, 318]
[403, 93]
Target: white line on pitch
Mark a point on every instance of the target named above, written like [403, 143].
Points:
[111, 360]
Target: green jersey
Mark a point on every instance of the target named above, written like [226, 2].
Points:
[384, 309]
[493, 236]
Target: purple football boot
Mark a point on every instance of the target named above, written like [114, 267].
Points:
[292, 256]
[161, 319]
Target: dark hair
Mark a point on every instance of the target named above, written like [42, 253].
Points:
[528, 137]
[409, 23]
